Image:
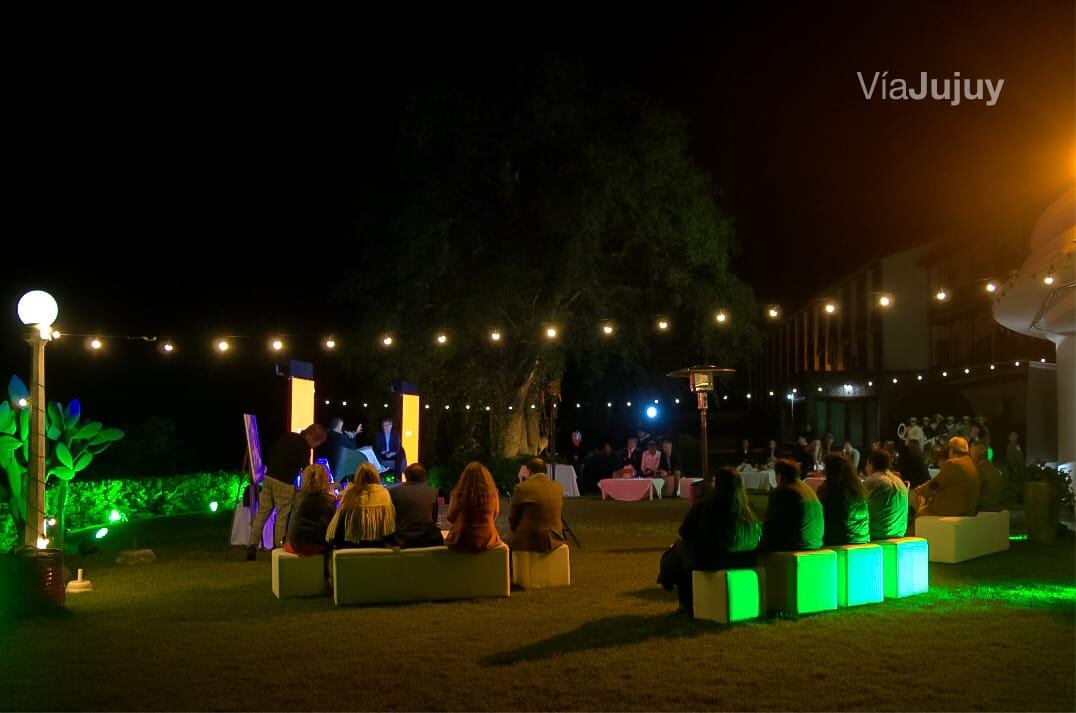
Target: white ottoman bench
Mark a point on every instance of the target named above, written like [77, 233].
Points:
[380, 576]
[904, 560]
[958, 539]
[800, 582]
[729, 595]
[295, 576]
[859, 574]
[535, 570]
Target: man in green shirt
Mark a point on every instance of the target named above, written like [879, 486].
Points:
[794, 519]
[887, 498]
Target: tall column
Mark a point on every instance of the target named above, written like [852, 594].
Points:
[1066, 400]
[35, 476]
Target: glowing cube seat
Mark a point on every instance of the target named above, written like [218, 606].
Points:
[729, 595]
[958, 539]
[800, 582]
[535, 570]
[859, 574]
[904, 561]
[379, 576]
[295, 576]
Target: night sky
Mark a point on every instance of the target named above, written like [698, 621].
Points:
[211, 182]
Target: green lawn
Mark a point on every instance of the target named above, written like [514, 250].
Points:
[200, 629]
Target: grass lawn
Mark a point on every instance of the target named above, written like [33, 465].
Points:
[200, 629]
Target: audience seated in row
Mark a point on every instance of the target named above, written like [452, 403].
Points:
[311, 514]
[955, 490]
[472, 509]
[794, 519]
[366, 516]
[535, 517]
[887, 498]
[719, 532]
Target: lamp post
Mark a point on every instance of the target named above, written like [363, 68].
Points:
[37, 310]
[701, 381]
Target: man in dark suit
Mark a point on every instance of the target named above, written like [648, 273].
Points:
[333, 450]
[416, 510]
[629, 460]
[535, 517]
[794, 519]
[388, 448]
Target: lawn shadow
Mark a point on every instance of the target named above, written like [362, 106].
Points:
[606, 633]
[653, 594]
[633, 550]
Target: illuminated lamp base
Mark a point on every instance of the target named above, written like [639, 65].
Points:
[800, 582]
[958, 539]
[80, 585]
[905, 565]
[537, 570]
[295, 576]
[859, 575]
[729, 595]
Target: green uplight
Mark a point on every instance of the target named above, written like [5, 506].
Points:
[743, 594]
[114, 516]
[213, 506]
[1017, 538]
[100, 533]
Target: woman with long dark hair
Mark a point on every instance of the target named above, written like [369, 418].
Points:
[720, 531]
[473, 507]
[844, 504]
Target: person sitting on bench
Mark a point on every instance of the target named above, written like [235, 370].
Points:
[794, 518]
[887, 498]
[535, 518]
[311, 516]
[473, 507]
[366, 517]
[416, 510]
[720, 531]
[844, 504]
[955, 490]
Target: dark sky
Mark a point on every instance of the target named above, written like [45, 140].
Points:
[183, 179]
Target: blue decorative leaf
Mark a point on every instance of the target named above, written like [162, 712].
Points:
[16, 389]
[71, 415]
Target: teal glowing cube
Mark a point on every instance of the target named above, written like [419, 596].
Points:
[728, 595]
[859, 575]
[801, 582]
[904, 564]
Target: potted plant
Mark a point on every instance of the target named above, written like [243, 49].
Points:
[1046, 490]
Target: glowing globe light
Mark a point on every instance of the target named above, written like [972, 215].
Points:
[427, 406]
[510, 408]
[651, 412]
[992, 367]
[326, 402]
[487, 408]
[870, 383]
[277, 345]
[213, 506]
[100, 534]
[532, 405]
[771, 393]
[95, 343]
[223, 346]
[37, 307]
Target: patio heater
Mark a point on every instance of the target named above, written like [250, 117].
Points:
[701, 381]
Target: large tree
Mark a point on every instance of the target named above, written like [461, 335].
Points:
[550, 202]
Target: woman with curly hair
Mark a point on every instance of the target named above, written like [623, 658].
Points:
[366, 517]
[473, 508]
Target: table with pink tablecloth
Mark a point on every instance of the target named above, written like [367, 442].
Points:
[626, 488]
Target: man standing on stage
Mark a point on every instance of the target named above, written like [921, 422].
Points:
[388, 448]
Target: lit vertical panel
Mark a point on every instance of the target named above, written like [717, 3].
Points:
[409, 428]
[302, 403]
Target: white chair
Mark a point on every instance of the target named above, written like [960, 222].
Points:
[537, 570]
[958, 539]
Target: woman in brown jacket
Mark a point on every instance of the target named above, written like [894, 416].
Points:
[472, 510]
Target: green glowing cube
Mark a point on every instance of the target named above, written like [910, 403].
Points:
[729, 595]
[904, 564]
[801, 582]
[859, 575]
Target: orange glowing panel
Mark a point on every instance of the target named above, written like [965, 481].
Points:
[302, 403]
[410, 409]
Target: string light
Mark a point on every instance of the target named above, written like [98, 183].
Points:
[885, 300]
[894, 379]
[676, 400]
[95, 343]
[330, 343]
[992, 367]
[607, 328]
[446, 407]
[56, 334]
[1016, 364]
[721, 317]
[609, 404]
[277, 345]
[427, 407]
[945, 373]
[830, 308]
[919, 377]
[168, 347]
[487, 408]
[495, 336]
[223, 345]
[442, 338]
[343, 403]
[771, 393]
[941, 295]
[967, 371]
[991, 286]
[386, 340]
[748, 395]
[663, 324]
[629, 404]
[551, 332]
[773, 312]
[578, 405]
[1049, 279]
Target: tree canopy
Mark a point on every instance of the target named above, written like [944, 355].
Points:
[554, 202]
